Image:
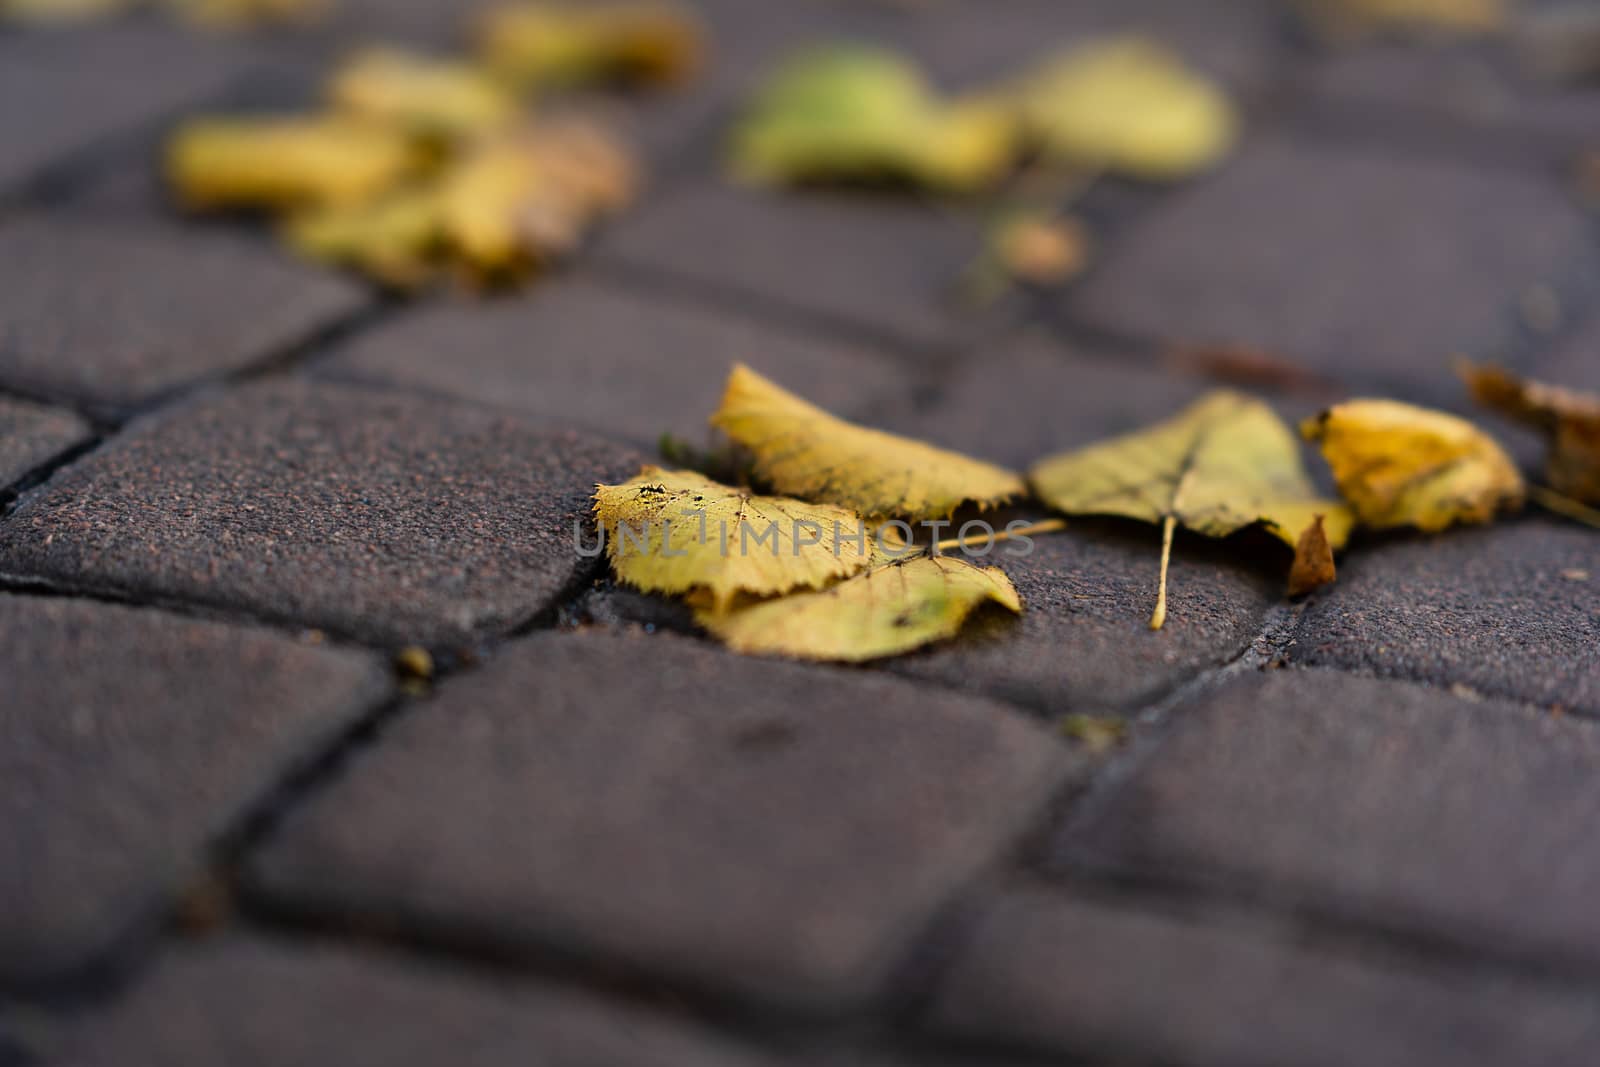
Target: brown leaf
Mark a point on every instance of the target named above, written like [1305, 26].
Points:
[1570, 421]
[1313, 560]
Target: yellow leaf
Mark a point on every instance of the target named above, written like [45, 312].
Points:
[1569, 419]
[1127, 105]
[854, 112]
[1224, 463]
[570, 43]
[519, 199]
[390, 239]
[678, 531]
[1400, 465]
[881, 612]
[804, 451]
[431, 96]
[287, 162]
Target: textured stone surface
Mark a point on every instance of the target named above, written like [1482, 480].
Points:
[63, 93]
[110, 315]
[876, 263]
[31, 434]
[269, 1004]
[129, 740]
[1317, 253]
[629, 365]
[387, 516]
[1062, 974]
[1401, 806]
[766, 830]
[1084, 643]
[1512, 610]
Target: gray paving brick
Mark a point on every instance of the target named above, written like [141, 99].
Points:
[62, 93]
[272, 1004]
[1373, 270]
[1062, 974]
[113, 315]
[766, 830]
[1511, 610]
[1416, 89]
[1572, 362]
[31, 434]
[1084, 642]
[1392, 804]
[881, 263]
[129, 740]
[621, 362]
[390, 517]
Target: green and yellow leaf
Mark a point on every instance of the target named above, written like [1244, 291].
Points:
[855, 112]
[391, 239]
[680, 532]
[881, 612]
[1401, 465]
[803, 451]
[1127, 105]
[1224, 463]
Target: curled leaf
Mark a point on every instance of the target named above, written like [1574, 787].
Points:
[1400, 465]
[1224, 463]
[804, 451]
[519, 199]
[678, 532]
[855, 112]
[287, 162]
[570, 43]
[431, 96]
[1128, 105]
[1313, 560]
[1570, 421]
[881, 612]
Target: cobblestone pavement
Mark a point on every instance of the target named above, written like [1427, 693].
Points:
[1359, 830]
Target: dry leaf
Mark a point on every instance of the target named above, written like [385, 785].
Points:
[1400, 465]
[430, 96]
[392, 239]
[571, 43]
[1224, 463]
[687, 533]
[522, 198]
[804, 451]
[881, 612]
[1313, 560]
[287, 162]
[1568, 418]
[1128, 105]
[855, 112]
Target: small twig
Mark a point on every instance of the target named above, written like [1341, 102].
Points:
[1158, 618]
[1565, 506]
[1042, 527]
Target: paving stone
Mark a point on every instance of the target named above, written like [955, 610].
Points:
[1391, 804]
[1084, 643]
[271, 1004]
[767, 830]
[63, 93]
[876, 263]
[390, 517]
[627, 364]
[31, 434]
[1572, 362]
[129, 740]
[1511, 610]
[1369, 269]
[113, 315]
[1064, 974]
[1413, 87]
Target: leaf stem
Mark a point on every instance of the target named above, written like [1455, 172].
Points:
[1159, 617]
[1551, 500]
[1042, 527]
